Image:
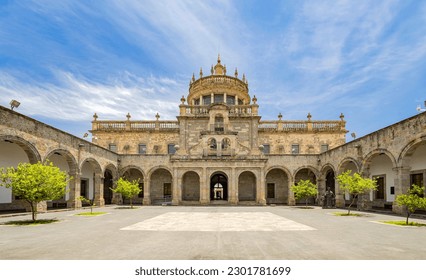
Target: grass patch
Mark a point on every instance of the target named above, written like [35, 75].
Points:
[31, 222]
[402, 223]
[305, 207]
[90, 214]
[346, 214]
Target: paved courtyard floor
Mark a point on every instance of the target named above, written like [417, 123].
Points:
[187, 233]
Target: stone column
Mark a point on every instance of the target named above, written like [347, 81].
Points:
[204, 188]
[260, 188]
[99, 190]
[233, 187]
[340, 195]
[176, 186]
[291, 200]
[402, 184]
[74, 194]
[146, 191]
[321, 188]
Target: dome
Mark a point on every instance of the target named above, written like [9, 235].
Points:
[218, 88]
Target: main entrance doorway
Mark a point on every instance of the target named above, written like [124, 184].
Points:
[218, 187]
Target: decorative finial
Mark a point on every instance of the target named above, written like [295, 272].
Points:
[201, 72]
[95, 117]
[193, 77]
[309, 116]
[254, 99]
[157, 116]
[236, 73]
[280, 116]
[128, 116]
[244, 77]
[218, 58]
[224, 70]
[212, 70]
[182, 99]
[342, 116]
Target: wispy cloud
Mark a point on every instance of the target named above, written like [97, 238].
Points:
[76, 98]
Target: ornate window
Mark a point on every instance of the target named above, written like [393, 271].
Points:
[212, 144]
[226, 143]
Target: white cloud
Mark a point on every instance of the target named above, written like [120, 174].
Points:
[76, 98]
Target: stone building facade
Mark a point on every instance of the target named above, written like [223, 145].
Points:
[218, 151]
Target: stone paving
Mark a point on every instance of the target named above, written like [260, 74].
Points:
[187, 233]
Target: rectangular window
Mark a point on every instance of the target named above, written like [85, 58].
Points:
[142, 149]
[230, 100]
[324, 148]
[270, 190]
[171, 149]
[167, 189]
[141, 188]
[416, 179]
[207, 100]
[266, 149]
[197, 102]
[113, 147]
[218, 98]
[295, 149]
[380, 192]
[392, 190]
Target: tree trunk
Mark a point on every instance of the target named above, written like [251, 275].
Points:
[306, 203]
[352, 202]
[33, 210]
[131, 205]
[408, 215]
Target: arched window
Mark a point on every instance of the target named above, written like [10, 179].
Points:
[212, 144]
[226, 143]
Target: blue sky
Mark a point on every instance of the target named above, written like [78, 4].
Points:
[65, 60]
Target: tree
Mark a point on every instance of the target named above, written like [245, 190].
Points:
[304, 189]
[91, 202]
[35, 182]
[413, 200]
[127, 189]
[355, 185]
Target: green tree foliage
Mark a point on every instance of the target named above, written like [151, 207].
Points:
[355, 185]
[413, 200]
[127, 189]
[35, 182]
[304, 189]
[91, 202]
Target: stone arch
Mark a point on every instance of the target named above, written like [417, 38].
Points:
[161, 185]
[409, 149]
[219, 186]
[327, 179]
[69, 157]
[93, 162]
[367, 159]
[29, 149]
[277, 181]
[247, 186]
[152, 170]
[191, 186]
[90, 181]
[127, 167]
[341, 167]
[380, 165]
[13, 151]
[132, 173]
[64, 160]
[110, 176]
[311, 173]
[306, 173]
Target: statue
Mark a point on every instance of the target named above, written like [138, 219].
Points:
[329, 199]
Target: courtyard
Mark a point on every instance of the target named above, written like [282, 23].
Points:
[210, 233]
